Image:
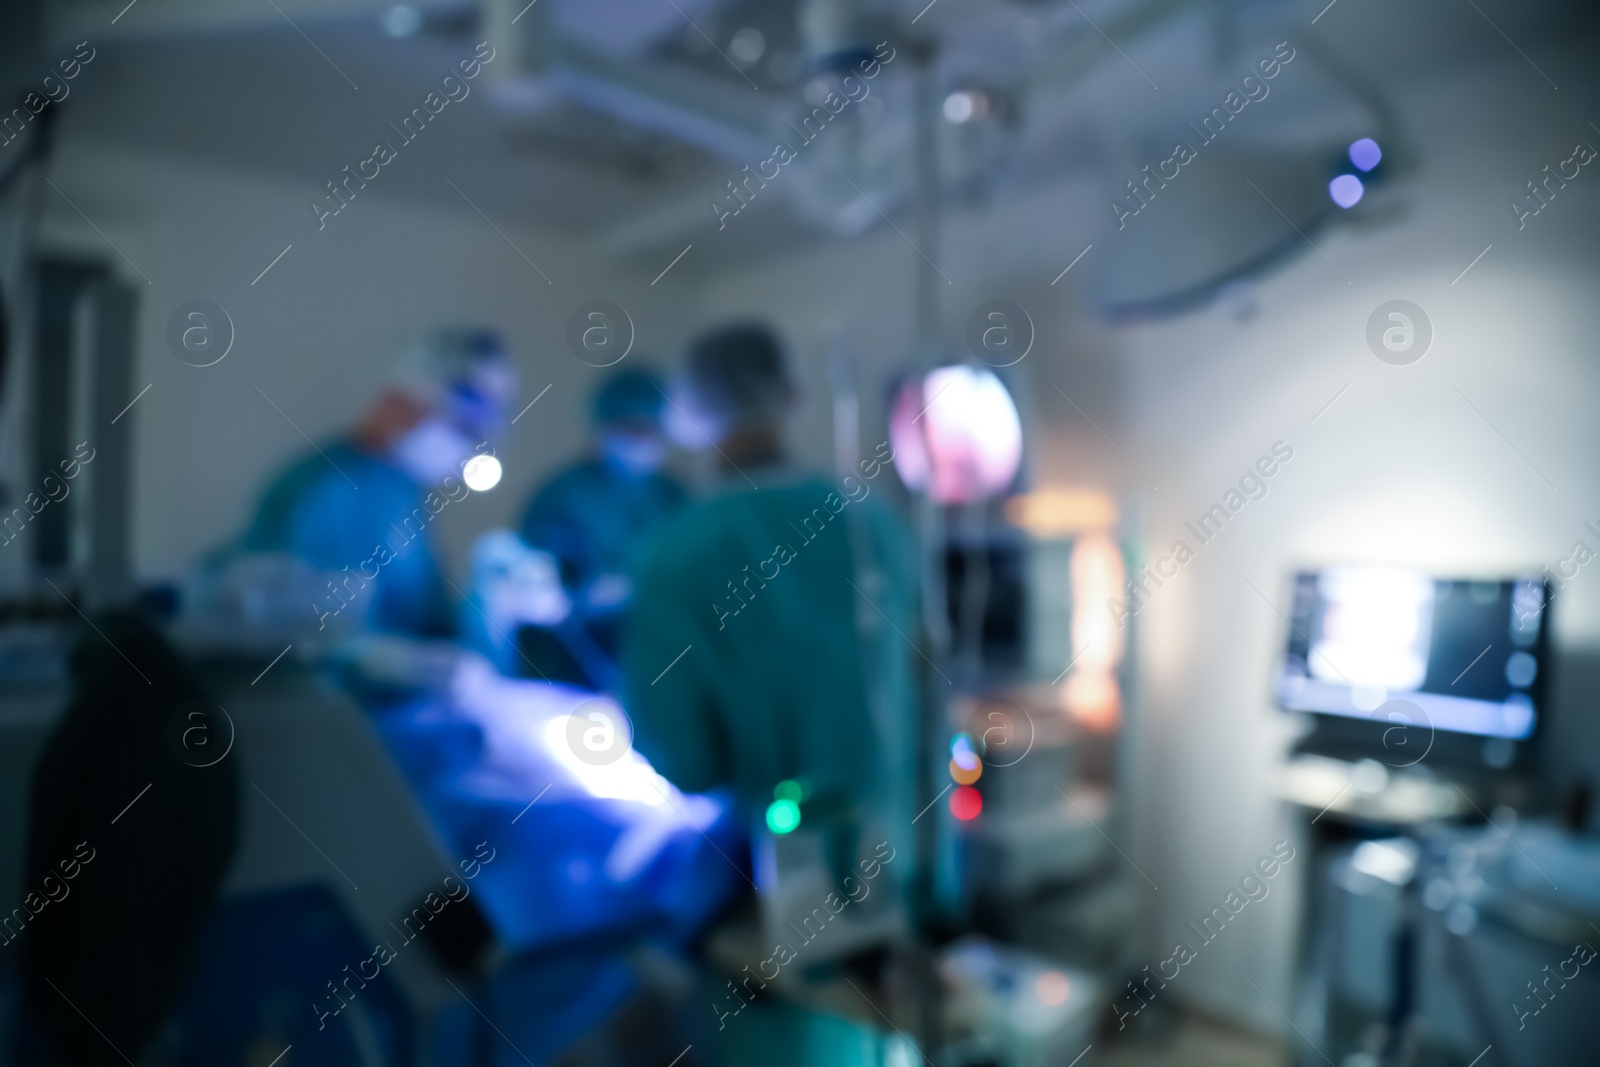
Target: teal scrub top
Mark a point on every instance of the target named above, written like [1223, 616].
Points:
[593, 518]
[335, 520]
[750, 657]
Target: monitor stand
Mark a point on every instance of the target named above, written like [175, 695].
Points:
[1366, 790]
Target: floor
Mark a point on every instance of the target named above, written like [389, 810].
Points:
[1196, 1041]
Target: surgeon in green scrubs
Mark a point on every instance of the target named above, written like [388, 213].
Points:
[362, 505]
[765, 642]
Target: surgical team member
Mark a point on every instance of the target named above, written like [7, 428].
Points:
[595, 514]
[363, 502]
[760, 646]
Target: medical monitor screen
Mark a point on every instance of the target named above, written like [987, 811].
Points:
[1468, 654]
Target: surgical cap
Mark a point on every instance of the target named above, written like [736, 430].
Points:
[630, 396]
[738, 373]
[464, 372]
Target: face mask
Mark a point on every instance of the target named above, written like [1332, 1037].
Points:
[635, 454]
[690, 428]
[431, 452]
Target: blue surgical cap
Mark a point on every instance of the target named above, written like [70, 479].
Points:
[629, 396]
[472, 374]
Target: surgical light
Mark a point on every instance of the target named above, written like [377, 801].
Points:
[481, 473]
[1346, 190]
[1365, 154]
[783, 816]
[966, 803]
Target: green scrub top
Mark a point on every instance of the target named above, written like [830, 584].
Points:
[761, 648]
[344, 507]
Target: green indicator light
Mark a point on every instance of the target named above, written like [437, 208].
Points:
[788, 789]
[783, 816]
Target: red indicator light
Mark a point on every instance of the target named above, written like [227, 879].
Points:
[965, 803]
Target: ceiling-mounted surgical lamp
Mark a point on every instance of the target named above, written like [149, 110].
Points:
[978, 139]
[1194, 226]
[1347, 189]
[850, 129]
[541, 64]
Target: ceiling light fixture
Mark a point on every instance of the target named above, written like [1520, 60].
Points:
[959, 107]
[1346, 190]
[1365, 154]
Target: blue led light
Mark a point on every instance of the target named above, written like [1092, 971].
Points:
[1365, 154]
[1346, 190]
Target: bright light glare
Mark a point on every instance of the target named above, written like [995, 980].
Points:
[968, 434]
[1097, 576]
[1393, 861]
[525, 731]
[958, 107]
[629, 778]
[1365, 154]
[481, 473]
[1092, 693]
[1376, 628]
[1346, 190]
[905, 435]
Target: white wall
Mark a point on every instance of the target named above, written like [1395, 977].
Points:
[1401, 469]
